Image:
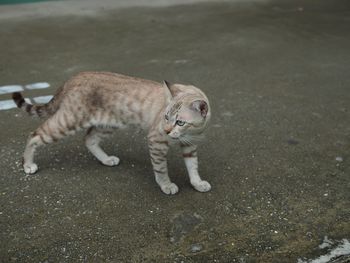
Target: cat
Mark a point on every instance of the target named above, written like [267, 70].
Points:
[101, 101]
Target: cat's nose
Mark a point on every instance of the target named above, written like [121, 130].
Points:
[168, 129]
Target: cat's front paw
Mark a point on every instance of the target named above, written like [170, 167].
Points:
[202, 186]
[111, 161]
[170, 189]
[30, 168]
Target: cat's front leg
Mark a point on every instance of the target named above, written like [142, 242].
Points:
[189, 152]
[158, 148]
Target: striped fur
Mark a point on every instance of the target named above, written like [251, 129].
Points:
[101, 101]
[37, 110]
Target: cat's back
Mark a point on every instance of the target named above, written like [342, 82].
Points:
[93, 93]
[109, 81]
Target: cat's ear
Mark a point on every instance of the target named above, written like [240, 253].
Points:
[167, 87]
[201, 106]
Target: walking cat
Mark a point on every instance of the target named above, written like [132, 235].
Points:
[101, 101]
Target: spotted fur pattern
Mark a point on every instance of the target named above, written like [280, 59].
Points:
[101, 101]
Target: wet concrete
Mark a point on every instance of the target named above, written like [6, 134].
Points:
[277, 75]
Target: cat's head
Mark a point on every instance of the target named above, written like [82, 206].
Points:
[187, 112]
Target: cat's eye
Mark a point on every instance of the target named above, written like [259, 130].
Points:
[180, 123]
[166, 117]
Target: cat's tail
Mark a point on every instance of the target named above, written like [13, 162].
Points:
[41, 111]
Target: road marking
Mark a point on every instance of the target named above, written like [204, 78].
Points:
[7, 104]
[15, 88]
[10, 104]
[39, 85]
[10, 89]
[42, 99]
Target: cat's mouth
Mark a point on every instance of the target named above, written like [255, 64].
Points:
[174, 137]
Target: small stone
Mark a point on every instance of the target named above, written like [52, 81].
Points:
[196, 248]
[339, 159]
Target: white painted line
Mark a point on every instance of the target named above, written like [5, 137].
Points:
[42, 99]
[15, 88]
[38, 85]
[10, 104]
[7, 104]
[10, 89]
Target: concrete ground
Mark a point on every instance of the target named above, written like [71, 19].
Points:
[276, 152]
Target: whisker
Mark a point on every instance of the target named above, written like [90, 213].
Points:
[186, 140]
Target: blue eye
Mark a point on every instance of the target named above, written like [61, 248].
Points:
[180, 123]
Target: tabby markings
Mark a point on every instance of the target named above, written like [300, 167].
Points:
[9, 104]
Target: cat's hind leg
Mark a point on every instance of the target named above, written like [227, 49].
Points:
[92, 140]
[53, 129]
[33, 142]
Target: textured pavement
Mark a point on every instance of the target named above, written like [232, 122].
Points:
[276, 152]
